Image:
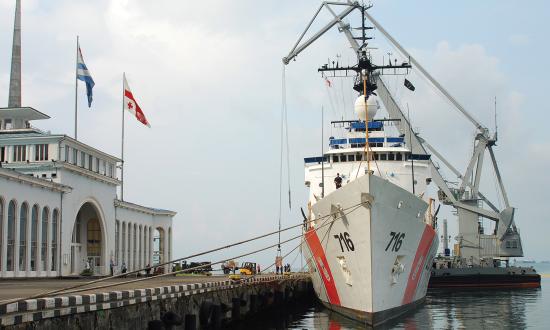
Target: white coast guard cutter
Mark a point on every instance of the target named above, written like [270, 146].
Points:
[370, 243]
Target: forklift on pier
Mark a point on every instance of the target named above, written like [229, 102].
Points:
[248, 268]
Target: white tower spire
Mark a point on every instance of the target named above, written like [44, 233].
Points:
[14, 100]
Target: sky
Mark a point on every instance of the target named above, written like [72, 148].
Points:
[208, 77]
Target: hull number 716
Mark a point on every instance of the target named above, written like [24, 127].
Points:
[345, 238]
[397, 240]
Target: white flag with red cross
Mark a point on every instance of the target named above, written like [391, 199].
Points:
[131, 105]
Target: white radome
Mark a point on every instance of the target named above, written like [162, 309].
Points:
[372, 105]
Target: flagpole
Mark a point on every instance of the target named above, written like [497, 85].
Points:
[76, 94]
[122, 147]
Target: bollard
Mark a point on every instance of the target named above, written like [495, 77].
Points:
[236, 310]
[204, 313]
[279, 297]
[253, 303]
[190, 322]
[216, 318]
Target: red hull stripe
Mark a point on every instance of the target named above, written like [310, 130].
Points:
[418, 263]
[322, 266]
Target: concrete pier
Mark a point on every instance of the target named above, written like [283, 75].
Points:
[210, 304]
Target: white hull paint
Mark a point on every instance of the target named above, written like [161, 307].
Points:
[370, 278]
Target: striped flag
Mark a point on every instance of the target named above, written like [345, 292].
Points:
[83, 74]
[131, 105]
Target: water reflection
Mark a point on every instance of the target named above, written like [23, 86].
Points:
[444, 309]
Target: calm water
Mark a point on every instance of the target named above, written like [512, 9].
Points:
[474, 309]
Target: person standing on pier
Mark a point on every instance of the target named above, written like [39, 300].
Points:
[338, 181]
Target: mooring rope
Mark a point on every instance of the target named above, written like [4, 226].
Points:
[81, 285]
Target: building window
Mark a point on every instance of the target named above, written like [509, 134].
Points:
[351, 158]
[55, 215]
[19, 153]
[23, 215]
[94, 242]
[10, 257]
[117, 240]
[140, 245]
[103, 167]
[399, 156]
[75, 156]
[335, 159]
[123, 242]
[383, 156]
[391, 156]
[41, 152]
[342, 158]
[1, 233]
[67, 152]
[129, 241]
[97, 165]
[170, 244]
[34, 237]
[44, 242]
[82, 159]
[2, 154]
[90, 162]
[135, 247]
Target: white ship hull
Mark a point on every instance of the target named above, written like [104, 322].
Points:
[373, 263]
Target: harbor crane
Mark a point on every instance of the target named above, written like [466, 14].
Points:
[466, 197]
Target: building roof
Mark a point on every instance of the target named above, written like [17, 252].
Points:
[31, 180]
[26, 113]
[144, 209]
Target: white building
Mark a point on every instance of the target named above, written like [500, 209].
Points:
[59, 210]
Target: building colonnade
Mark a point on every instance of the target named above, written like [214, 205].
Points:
[29, 235]
[135, 245]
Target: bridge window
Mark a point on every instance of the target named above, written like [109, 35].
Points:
[383, 156]
[359, 157]
[391, 156]
[342, 158]
[399, 156]
[351, 158]
[335, 159]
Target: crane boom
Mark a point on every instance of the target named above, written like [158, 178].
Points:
[427, 74]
